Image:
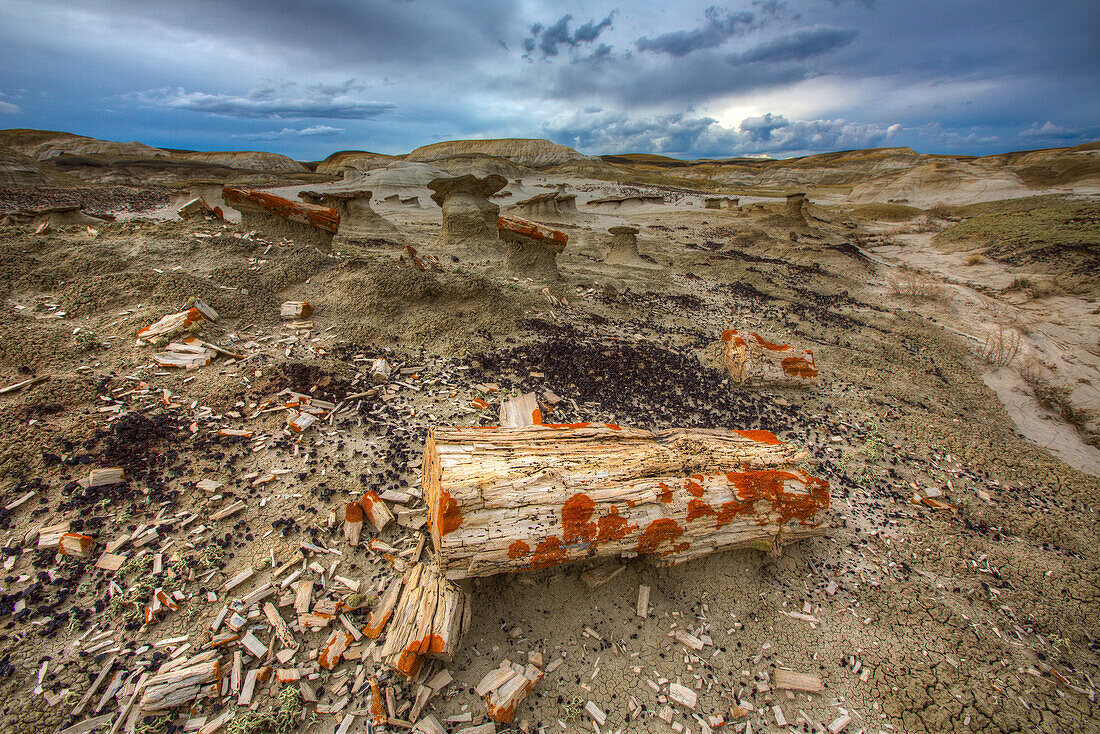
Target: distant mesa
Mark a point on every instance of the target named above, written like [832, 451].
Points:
[534, 153]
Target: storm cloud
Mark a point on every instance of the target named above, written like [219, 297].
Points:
[690, 79]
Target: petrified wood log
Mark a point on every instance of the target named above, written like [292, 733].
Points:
[530, 250]
[510, 499]
[754, 362]
[247, 200]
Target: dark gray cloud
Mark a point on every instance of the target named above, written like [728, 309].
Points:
[798, 46]
[275, 101]
[549, 39]
[719, 25]
[687, 78]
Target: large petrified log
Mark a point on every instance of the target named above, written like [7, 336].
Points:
[753, 361]
[279, 217]
[510, 499]
[530, 250]
[469, 218]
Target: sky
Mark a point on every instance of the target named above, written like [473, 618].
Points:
[777, 78]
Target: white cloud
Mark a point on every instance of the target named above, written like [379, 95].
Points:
[9, 108]
[315, 131]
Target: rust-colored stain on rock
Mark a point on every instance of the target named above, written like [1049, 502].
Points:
[693, 486]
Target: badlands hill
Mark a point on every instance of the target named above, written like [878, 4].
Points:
[254, 160]
[526, 152]
[43, 145]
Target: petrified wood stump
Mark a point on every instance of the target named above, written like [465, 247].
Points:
[429, 617]
[530, 250]
[624, 246]
[513, 499]
[469, 218]
[753, 362]
[712, 202]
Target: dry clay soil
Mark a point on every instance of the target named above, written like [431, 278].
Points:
[929, 619]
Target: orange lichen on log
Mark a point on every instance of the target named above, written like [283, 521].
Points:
[662, 530]
[761, 436]
[322, 217]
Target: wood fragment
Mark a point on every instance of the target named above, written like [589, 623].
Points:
[643, 601]
[520, 412]
[429, 620]
[791, 681]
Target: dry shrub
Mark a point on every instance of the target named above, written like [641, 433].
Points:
[941, 211]
[914, 284]
[1002, 344]
[1034, 288]
[926, 224]
[975, 259]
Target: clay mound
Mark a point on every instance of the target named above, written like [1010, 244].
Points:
[247, 159]
[17, 169]
[43, 145]
[481, 165]
[401, 175]
[360, 160]
[942, 181]
[526, 152]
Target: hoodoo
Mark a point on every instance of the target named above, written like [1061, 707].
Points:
[624, 246]
[530, 250]
[358, 221]
[469, 218]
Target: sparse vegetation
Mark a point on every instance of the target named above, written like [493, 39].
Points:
[914, 284]
[86, 340]
[1002, 344]
[975, 259]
